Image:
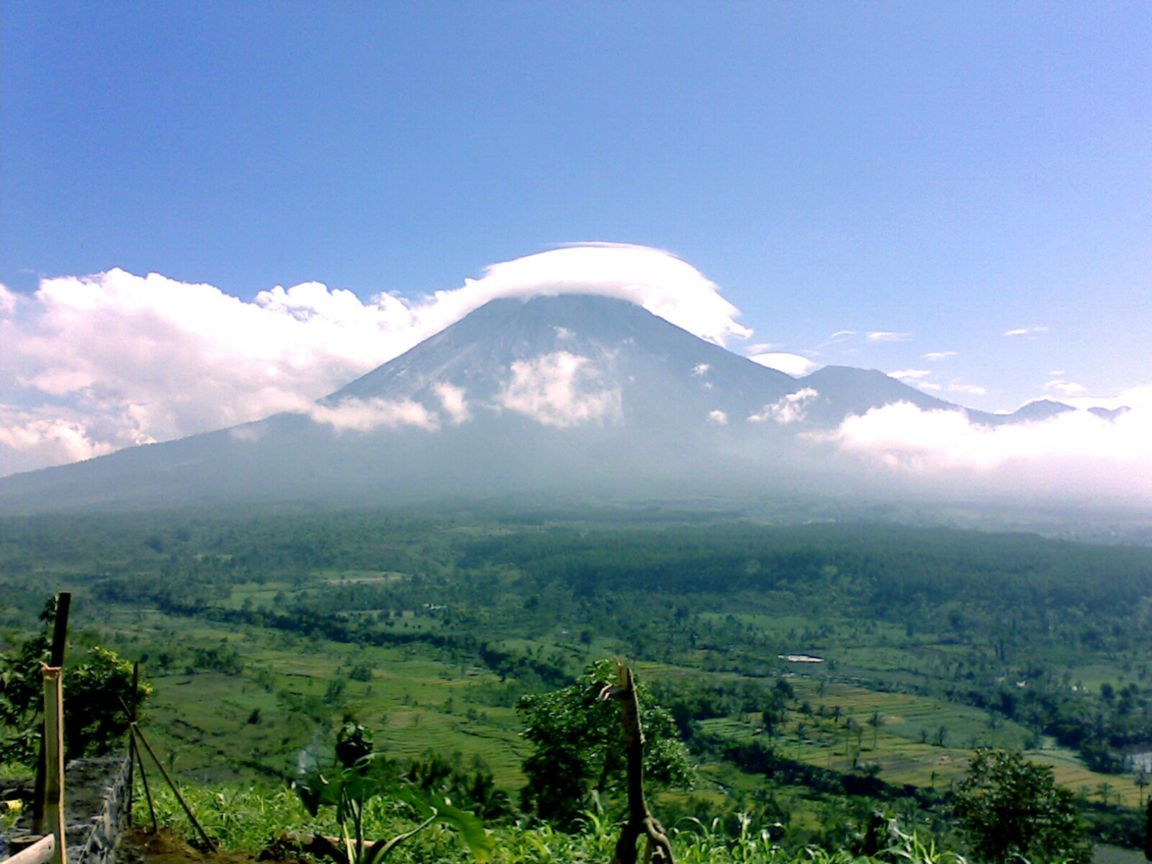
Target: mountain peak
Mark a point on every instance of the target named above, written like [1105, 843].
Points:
[559, 349]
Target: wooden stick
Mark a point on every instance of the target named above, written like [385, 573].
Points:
[144, 780]
[54, 756]
[132, 738]
[172, 785]
[56, 660]
[60, 628]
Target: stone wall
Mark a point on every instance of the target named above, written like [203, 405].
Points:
[95, 839]
[95, 810]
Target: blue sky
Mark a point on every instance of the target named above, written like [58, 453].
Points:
[946, 173]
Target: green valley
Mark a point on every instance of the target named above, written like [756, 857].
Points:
[818, 671]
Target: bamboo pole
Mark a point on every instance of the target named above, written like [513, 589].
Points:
[39, 852]
[147, 790]
[56, 660]
[54, 760]
[211, 844]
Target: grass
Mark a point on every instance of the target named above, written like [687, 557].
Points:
[218, 726]
[247, 819]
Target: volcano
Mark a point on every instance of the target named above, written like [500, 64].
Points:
[547, 395]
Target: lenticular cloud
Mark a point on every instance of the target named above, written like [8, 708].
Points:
[660, 282]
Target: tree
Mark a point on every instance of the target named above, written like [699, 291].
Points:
[96, 692]
[21, 689]
[1011, 808]
[875, 721]
[579, 748]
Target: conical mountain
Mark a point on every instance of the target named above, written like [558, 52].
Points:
[546, 395]
[573, 360]
[522, 395]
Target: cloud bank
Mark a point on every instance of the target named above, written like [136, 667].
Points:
[1073, 456]
[92, 364]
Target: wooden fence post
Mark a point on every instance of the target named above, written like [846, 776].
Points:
[54, 761]
[59, 641]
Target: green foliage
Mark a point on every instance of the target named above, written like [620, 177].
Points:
[96, 692]
[1011, 808]
[245, 819]
[363, 776]
[579, 750]
[240, 818]
[21, 694]
[473, 790]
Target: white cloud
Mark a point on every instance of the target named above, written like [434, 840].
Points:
[700, 370]
[1139, 398]
[887, 336]
[364, 415]
[910, 374]
[171, 358]
[967, 389]
[1065, 388]
[937, 356]
[1026, 331]
[123, 359]
[657, 280]
[453, 402]
[839, 336]
[1074, 454]
[789, 409]
[720, 418]
[47, 436]
[790, 364]
[558, 390]
[7, 300]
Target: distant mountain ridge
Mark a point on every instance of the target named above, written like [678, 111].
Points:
[566, 392]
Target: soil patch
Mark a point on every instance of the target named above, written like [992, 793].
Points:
[165, 846]
[168, 847]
